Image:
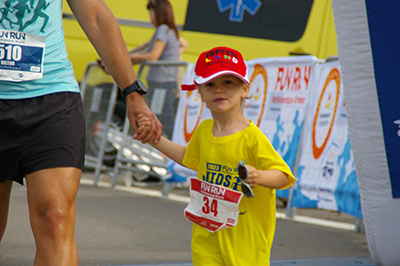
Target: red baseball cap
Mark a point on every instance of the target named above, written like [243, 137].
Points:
[217, 62]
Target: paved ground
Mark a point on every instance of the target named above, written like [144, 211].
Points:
[135, 226]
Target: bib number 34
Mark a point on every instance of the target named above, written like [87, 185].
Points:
[210, 207]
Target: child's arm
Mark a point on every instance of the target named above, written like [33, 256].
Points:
[267, 178]
[174, 151]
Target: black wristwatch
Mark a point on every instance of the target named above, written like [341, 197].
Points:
[137, 86]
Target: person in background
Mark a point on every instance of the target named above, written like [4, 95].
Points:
[166, 44]
[214, 151]
[42, 126]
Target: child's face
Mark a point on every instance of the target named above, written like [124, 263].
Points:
[224, 93]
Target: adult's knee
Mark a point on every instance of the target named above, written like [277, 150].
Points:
[55, 222]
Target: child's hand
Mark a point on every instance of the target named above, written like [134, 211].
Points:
[272, 178]
[143, 123]
[252, 176]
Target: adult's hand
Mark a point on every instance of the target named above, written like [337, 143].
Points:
[136, 105]
[101, 64]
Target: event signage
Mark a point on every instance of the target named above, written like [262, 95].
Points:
[285, 94]
[326, 172]
[279, 96]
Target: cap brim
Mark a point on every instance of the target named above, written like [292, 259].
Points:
[200, 80]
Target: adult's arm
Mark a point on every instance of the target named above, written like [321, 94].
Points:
[103, 31]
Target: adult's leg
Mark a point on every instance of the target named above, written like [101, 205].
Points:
[52, 202]
[5, 191]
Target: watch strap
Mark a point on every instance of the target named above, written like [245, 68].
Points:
[132, 88]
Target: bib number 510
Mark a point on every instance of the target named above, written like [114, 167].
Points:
[210, 206]
[10, 52]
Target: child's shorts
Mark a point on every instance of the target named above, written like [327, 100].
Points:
[41, 133]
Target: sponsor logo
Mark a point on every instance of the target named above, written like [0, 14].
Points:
[324, 118]
[258, 92]
[328, 101]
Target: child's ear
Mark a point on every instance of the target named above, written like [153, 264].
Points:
[246, 90]
[201, 95]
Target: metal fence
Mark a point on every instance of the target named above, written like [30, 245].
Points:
[110, 147]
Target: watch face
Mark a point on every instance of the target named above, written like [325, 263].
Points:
[141, 86]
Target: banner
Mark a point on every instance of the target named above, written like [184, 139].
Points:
[286, 92]
[280, 94]
[326, 173]
[278, 99]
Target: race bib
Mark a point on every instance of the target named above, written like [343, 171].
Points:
[211, 206]
[21, 56]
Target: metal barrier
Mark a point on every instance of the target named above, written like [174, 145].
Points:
[99, 94]
[137, 160]
[162, 97]
[110, 148]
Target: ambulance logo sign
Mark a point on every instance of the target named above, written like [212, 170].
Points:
[237, 8]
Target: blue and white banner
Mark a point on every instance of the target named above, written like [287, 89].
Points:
[280, 94]
[277, 105]
[326, 173]
[286, 92]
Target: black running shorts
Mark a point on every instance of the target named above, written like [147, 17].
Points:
[41, 133]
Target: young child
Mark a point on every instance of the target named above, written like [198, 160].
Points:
[215, 150]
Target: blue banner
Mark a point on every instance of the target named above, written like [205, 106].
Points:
[383, 19]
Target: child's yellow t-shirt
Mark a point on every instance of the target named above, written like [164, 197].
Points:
[216, 159]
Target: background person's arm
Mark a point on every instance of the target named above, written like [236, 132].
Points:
[183, 45]
[103, 31]
[154, 54]
[139, 49]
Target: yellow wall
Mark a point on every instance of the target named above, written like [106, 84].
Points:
[319, 38]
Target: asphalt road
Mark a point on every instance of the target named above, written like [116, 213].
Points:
[116, 227]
